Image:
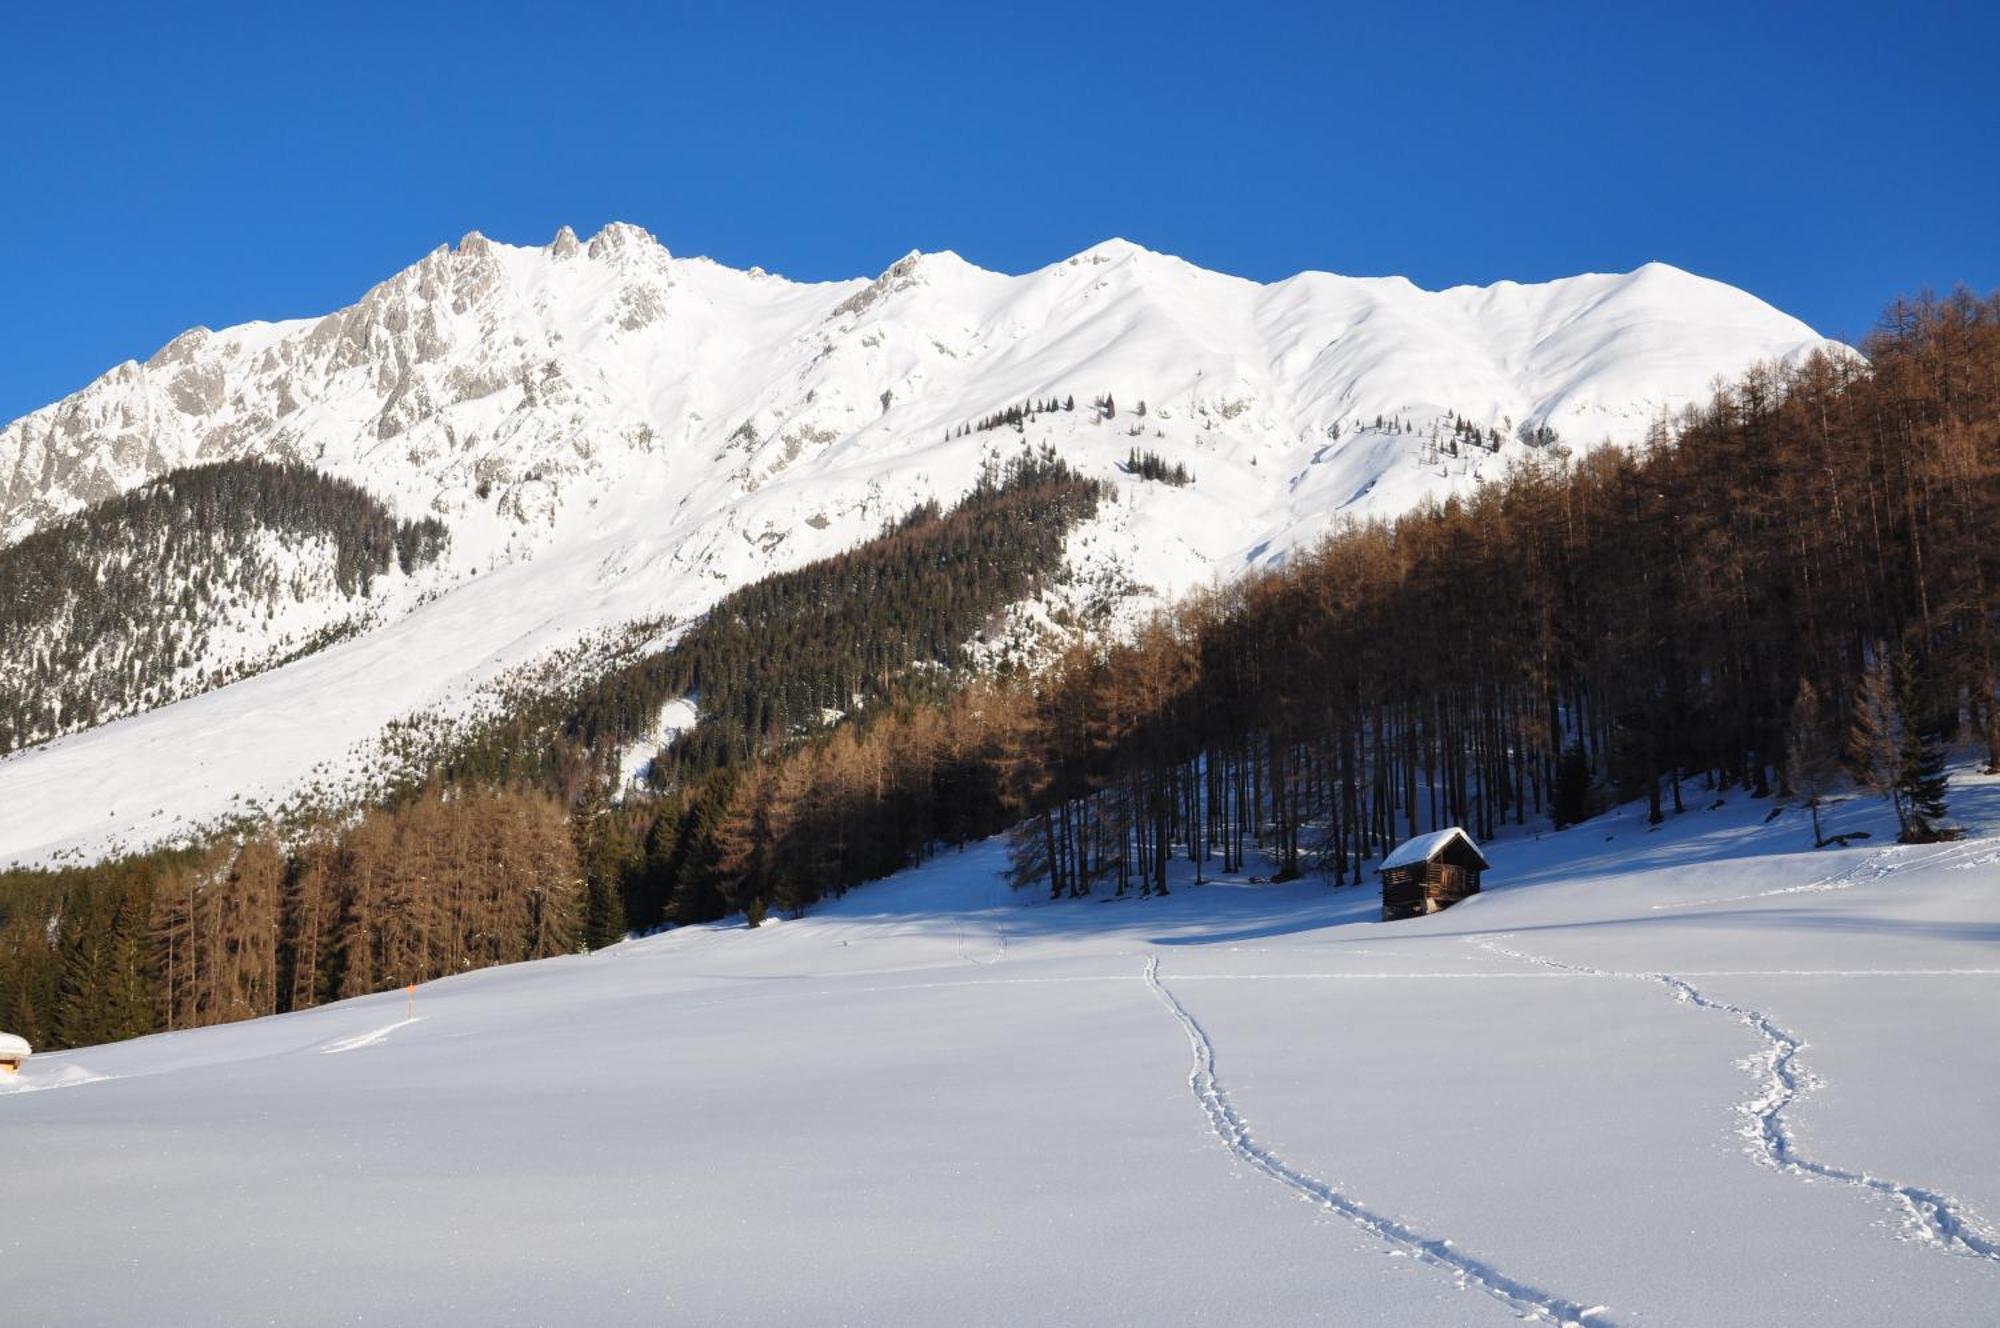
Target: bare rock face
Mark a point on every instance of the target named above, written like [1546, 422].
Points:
[442, 336]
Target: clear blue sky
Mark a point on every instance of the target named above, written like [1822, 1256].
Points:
[163, 165]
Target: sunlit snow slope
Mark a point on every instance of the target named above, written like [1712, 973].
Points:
[1698, 1076]
[615, 434]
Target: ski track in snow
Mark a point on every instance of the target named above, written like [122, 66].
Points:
[1229, 1126]
[1872, 868]
[357, 1042]
[1929, 1217]
[70, 1076]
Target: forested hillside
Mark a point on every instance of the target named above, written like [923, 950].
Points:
[1796, 578]
[777, 659]
[478, 864]
[196, 579]
[1790, 583]
[788, 655]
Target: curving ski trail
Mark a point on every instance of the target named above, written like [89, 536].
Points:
[1928, 1216]
[367, 1039]
[1870, 869]
[1527, 1301]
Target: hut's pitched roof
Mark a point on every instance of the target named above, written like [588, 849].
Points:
[1425, 847]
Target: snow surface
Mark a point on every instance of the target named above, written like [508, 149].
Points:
[1698, 1075]
[618, 435]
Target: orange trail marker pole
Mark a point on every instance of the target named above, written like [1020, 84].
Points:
[410, 1011]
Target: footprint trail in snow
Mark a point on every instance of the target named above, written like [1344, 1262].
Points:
[1527, 1301]
[1929, 1216]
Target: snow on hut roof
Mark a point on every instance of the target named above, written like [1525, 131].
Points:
[1425, 847]
[13, 1048]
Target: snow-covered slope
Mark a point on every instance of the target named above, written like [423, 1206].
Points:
[615, 434]
[1697, 1076]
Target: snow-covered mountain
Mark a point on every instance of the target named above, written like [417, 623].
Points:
[613, 434]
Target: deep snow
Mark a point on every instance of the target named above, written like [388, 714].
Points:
[1698, 1075]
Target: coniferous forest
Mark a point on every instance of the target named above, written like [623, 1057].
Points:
[1790, 587]
[116, 609]
[786, 656]
[250, 926]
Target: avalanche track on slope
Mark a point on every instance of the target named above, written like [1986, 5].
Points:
[1528, 1301]
[1929, 1216]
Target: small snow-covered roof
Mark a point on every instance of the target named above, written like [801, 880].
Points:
[13, 1048]
[1425, 847]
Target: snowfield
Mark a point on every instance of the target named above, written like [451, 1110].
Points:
[1697, 1075]
[615, 434]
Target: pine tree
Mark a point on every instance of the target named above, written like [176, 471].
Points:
[128, 1008]
[1874, 734]
[610, 856]
[1811, 761]
[84, 926]
[1921, 783]
[1920, 780]
[105, 989]
[603, 912]
[1572, 790]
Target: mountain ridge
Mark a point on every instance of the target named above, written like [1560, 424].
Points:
[616, 435]
[193, 387]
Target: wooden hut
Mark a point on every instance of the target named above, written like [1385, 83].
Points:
[13, 1053]
[1430, 872]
